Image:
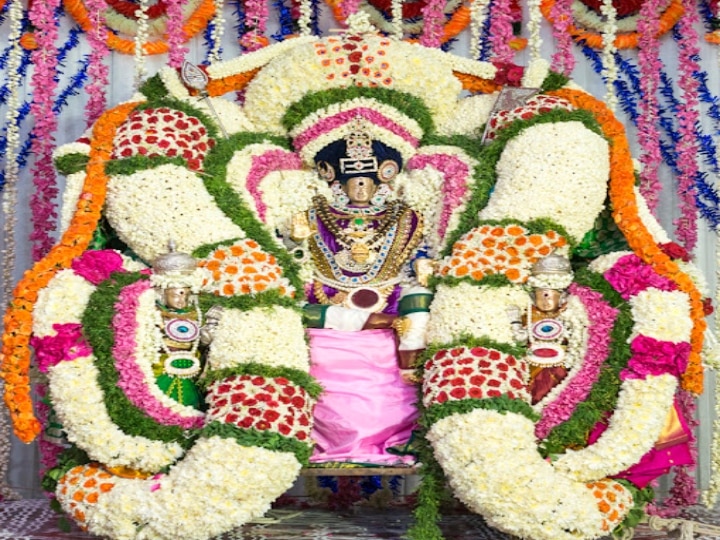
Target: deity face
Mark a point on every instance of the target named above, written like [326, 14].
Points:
[547, 300]
[360, 190]
[176, 297]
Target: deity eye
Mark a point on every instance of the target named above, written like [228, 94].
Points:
[388, 170]
[325, 171]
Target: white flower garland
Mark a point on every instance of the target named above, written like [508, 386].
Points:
[240, 483]
[62, 301]
[396, 21]
[533, 26]
[565, 150]
[479, 11]
[218, 30]
[305, 18]
[663, 315]
[603, 263]
[284, 193]
[470, 114]
[256, 59]
[710, 495]
[141, 38]
[610, 70]
[80, 405]
[535, 73]
[274, 329]
[9, 203]
[12, 135]
[471, 310]
[630, 434]
[300, 71]
[492, 464]
[139, 206]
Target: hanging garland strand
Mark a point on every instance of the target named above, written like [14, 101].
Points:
[175, 33]
[563, 60]
[501, 30]
[609, 72]
[648, 135]
[256, 17]
[285, 20]
[98, 71]
[44, 58]
[433, 19]
[688, 119]
[707, 198]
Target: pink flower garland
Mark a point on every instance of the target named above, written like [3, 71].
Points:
[256, 16]
[648, 134]
[454, 189]
[602, 318]
[175, 33]
[688, 118]
[97, 70]
[326, 125]
[44, 59]
[563, 60]
[263, 165]
[433, 19]
[501, 19]
[131, 378]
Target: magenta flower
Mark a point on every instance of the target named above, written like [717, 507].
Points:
[654, 357]
[68, 344]
[96, 266]
[630, 276]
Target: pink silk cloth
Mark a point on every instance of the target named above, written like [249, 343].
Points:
[365, 407]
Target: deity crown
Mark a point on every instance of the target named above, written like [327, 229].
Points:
[174, 262]
[551, 272]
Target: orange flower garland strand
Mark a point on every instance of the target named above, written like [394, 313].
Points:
[625, 213]
[195, 24]
[15, 365]
[625, 40]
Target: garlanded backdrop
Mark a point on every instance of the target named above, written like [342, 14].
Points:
[656, 63]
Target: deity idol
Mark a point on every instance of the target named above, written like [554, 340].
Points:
[365, 248]
[544, 326]
[179, 322]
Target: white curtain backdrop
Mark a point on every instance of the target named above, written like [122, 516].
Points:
[23, 469]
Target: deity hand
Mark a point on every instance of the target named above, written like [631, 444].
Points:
[424, 269]
[517, 328]
[212, 319]
[379, 320]
[300, 227]
[408, 359]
